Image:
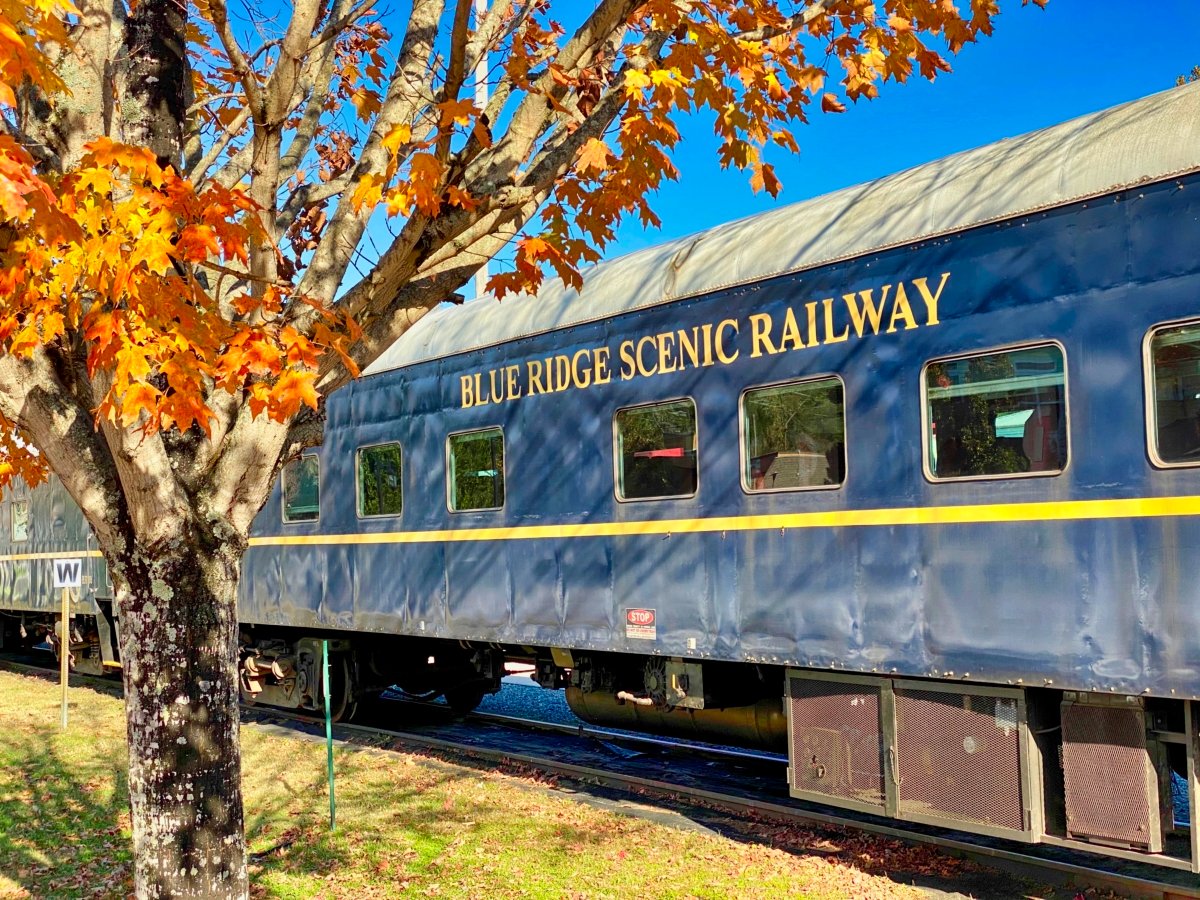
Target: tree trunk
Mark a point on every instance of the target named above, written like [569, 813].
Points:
[178, 608]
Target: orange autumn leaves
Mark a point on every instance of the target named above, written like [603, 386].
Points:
[151, 271]
[143, 270]
[751, 67]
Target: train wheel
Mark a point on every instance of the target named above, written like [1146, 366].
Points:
[344, 700]
[463, 700]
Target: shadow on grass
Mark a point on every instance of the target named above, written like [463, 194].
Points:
[63, 827]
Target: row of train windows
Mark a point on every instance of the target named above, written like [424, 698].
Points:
[987, 415]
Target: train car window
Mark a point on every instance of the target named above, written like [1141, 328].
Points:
[476, 461]
[1175, 403]
[996, 415]
[20, 520]
[380, 487]
[302, 490]
[656, 450]
[794, 436]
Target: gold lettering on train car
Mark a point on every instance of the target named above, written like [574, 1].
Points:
[830, 337]
[534, 368]
[704, 345]
[931, 300]
[628, 366]
[901, 310]
[666, 353]
[512, 382]
[760, 335]
[578, 378]
[791, 333]
[689, 348]
[644, 370]
[706, 330]
[870, 313]
[726, 358]
[601, 374]
[562, 373]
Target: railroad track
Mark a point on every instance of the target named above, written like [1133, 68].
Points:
[1026, 864]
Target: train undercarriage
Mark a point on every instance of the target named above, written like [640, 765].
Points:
[1111, 773]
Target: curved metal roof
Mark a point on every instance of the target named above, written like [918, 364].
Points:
[1139, 142]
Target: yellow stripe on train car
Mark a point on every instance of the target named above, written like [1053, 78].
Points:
[1052, 511]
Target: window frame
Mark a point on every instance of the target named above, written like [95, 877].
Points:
[358, 482]
[1148, 400]
[503, 470]
[991, 351]
[742, 459]
[617, 455]
[283, 493]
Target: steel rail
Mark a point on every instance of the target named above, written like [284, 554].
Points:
[608, 734]
[1082, 875]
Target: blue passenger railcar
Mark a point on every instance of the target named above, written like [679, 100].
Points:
[904, 478]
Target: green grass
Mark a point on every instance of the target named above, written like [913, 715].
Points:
[408, 826]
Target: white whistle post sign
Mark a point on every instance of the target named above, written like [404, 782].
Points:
[68, 576]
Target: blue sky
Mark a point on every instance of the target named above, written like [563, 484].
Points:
[1039, 68]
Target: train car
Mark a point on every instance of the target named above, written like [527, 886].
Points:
[903, 480]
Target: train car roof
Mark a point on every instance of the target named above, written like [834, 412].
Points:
[1144, 141]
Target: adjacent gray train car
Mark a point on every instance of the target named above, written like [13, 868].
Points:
[903, 480]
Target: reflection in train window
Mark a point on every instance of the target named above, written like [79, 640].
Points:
[302, 490]
[996, 414]
[20, 520]
[656, 450]
[380, 489]
[476, 460]
[1175, 406]
[794, 436]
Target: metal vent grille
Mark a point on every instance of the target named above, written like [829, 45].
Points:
[1111, 785]
[958, 758]
[836, 749]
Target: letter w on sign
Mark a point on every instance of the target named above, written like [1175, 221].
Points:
[68, 573]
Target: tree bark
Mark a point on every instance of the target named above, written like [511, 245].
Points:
[178, 607]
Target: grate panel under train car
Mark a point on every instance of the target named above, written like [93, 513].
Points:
[958, 758]
[837, 749]
[1112, 793]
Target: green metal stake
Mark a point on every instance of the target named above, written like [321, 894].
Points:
[329, 737]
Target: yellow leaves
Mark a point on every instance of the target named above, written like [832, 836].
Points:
[95, 180]
[18, 181]
[137, 401]
[636, 83]
[425, 176]
[455, 112]
[293, 390]
[197, 242]
[368, 192]
[18, 458]
[593, 157]
[26, 30]
[763, 178]
[127, 238]
[397, 137]
[366, 101]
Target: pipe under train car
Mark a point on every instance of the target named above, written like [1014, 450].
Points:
[903, 481]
